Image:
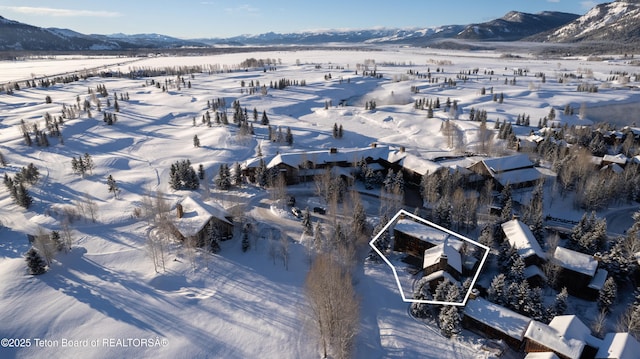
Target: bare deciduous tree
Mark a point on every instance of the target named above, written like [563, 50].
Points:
[333, 306]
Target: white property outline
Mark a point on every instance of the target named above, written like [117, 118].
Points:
[395, 274]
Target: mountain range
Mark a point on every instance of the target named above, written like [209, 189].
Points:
[616, 22]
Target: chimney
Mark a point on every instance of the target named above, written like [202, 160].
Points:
[179, 210]
[374, 145]
[474, 293]
[444, 262]
[402, 149]
[333, 150]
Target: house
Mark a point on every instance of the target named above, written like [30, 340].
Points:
[495, 321]
[579, 273]
[618, 346]
[566, 336]
[414, 238]
[619, 159]
[415, 167]
[196, 219]
[522, 239]
[516, 170]
[542, 355]
[443, 261]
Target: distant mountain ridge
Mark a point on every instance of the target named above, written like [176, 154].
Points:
[516, 26]
[616, 21]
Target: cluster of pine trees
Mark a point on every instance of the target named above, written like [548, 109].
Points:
[82, 164]
[17, 185]
[183, 176]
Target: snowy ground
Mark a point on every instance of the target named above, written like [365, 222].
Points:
[104, 294]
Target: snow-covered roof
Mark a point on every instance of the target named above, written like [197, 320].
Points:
[597, 282]
[542, 355]
[508, 163]
[636, 159]
[554, 340]
[440, 274]
[576, 261]
[519, 176]
[394, 156]
[419, 165]
[570, 326]
[532, 271]
[454, 259]
[497, 317]
[522, 239]
[295, 159]
[196, 214]
[618, 346]
[423, 232]
[619, 159]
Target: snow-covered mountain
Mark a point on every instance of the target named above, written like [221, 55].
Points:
[516, 25]
[15, 35]
[617, 21]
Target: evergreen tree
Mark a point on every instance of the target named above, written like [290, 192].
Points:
[289, 137]
[222, 180]
[560, 305]
[23, 198]
[496, 292]
[384, 238]
[306, 222]
[335, 130]
[196, 141]
[35, 262]
[245, 238]
[265, 119]
[608, 294]
[112, 186]
[516, 273]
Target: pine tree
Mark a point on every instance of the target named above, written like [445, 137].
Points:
[289, 137]
[265, 119]
[245, 239]
[335, 130]
[560, 305]
[306, 222]
[23, 198]
[112, 186]
[496, 292]
[516, 273]
[196, 141]
[35, 262]
[608, 294]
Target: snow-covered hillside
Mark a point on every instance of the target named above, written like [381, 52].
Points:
[103, 299]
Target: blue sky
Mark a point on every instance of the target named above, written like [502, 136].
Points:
[226, 18]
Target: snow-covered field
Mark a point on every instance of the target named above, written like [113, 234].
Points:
[104, 299]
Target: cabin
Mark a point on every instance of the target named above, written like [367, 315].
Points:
[520, 237]
[579, 272]
[195, 220]
[415, 167]
[566, 336]
[443, 261]
[517, 171]
[618, 346]
[414, 238]
[495, 322]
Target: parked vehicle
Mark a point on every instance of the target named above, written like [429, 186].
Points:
[291, 201]
[319, 210]
[296, 212]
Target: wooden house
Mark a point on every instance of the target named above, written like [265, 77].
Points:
[495, 322]
[517, 170]
[566, 336]
[414, 238]
[196, 220]
[414, 167]
[579, 273]
[443, 261]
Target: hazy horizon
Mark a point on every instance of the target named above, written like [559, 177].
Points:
[225, 18]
